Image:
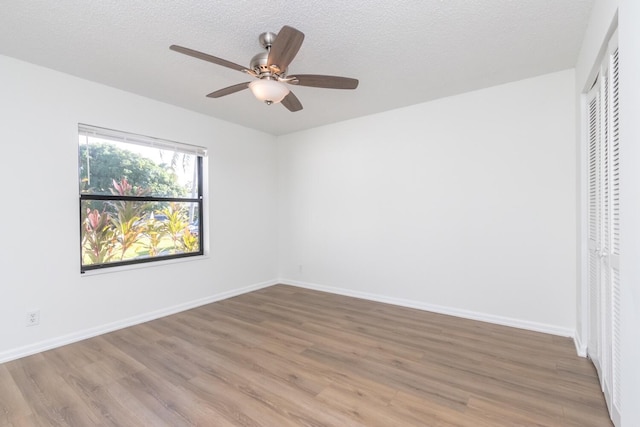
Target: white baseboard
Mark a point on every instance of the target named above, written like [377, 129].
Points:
[135, 320]
[120, 324]
[581, 349]
[483, 317]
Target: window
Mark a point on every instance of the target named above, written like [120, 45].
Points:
[140, 198]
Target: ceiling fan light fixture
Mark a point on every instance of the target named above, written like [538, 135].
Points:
[269, 91]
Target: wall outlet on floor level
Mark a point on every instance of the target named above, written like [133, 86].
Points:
[300, 268]
[33, 318]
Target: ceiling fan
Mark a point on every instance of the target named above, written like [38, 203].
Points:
[270, 70]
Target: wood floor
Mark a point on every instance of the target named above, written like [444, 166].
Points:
[285, 356]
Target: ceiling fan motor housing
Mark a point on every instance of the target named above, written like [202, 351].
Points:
[259, 63]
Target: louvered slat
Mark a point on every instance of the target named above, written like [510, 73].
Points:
[593, 227]
[605, 233]
[593, 162]
[616, 360]
[615, 154]
[615, 232]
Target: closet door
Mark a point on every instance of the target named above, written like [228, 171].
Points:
[604, 229]
[612, 253]
[594, 225]
[605, 234]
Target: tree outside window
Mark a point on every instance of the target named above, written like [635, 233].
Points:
[141, 198]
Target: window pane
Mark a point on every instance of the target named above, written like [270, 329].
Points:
[109, 167]
[120, 231]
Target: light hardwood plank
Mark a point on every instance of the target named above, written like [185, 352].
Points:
[285, 356]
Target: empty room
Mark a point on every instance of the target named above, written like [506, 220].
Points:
[368, 213]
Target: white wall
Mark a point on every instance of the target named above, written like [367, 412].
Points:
[39, 218]
[465, 204]
[629, 43]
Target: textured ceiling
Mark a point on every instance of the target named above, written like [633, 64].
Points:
[403, 52]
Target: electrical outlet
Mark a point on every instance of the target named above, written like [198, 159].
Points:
[33, 318]
[300, 268]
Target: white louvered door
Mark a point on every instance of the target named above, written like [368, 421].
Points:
[605, 234]
[613, 256]
[604, 229]
[594, 226]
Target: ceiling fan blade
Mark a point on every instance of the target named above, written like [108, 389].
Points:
[292, 102]
[329, 82]
[228, 90]
[207, 57]
[285, 47]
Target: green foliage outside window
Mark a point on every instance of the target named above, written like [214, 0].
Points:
[101, 163]
[130, 229]
[121, 217]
